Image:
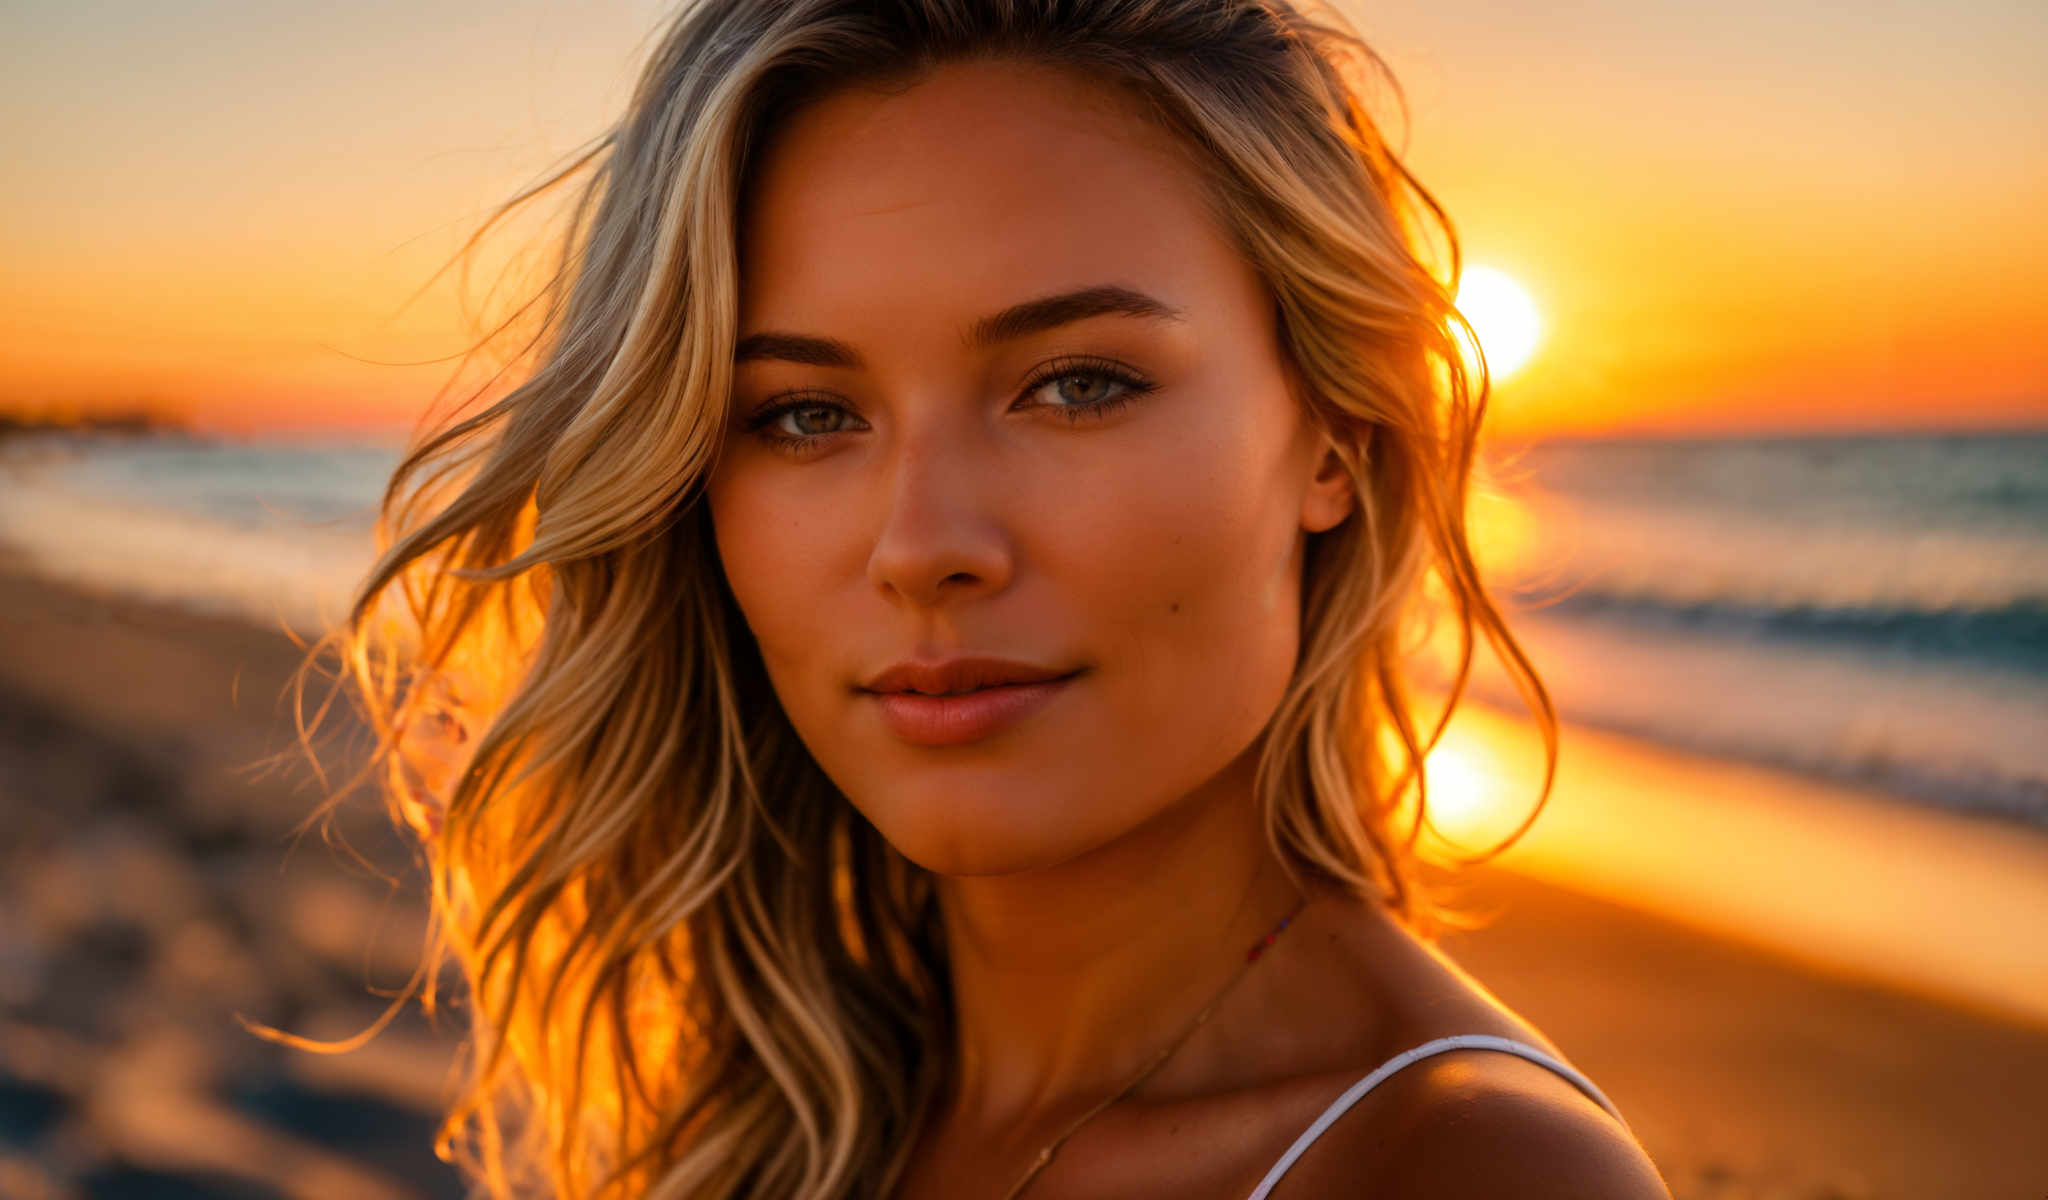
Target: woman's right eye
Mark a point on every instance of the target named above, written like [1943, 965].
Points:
[800, 423]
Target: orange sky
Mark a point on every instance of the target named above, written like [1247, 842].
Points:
[1732, 217]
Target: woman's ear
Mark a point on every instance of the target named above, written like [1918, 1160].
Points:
[1331, 494]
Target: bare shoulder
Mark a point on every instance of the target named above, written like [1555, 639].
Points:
[1467, 1122]
[1472, 1123]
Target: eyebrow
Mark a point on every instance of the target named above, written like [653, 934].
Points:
[1016, 321]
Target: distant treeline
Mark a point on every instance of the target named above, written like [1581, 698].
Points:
[134, 423]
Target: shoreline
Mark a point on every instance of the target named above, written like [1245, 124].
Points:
[1855, 883]
[1746, 1071]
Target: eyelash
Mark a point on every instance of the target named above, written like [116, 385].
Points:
[762, 423]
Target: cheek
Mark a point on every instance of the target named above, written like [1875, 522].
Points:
[774, 551]
[1192, 584]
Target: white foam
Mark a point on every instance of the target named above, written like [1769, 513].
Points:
[1779, 561]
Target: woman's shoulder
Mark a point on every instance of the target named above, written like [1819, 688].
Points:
[1463, 1120]
[1472, 1123]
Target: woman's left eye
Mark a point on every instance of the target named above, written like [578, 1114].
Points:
[1087, 389]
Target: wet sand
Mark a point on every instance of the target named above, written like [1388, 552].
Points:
[151, 888]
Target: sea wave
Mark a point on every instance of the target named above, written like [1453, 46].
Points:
[2012, 635]
[278, 534]
[1954, 732]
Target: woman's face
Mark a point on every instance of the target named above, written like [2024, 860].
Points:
[933, 456]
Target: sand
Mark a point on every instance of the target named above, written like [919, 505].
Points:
[151, 889]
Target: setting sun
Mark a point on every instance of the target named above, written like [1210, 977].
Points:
[1504, 317]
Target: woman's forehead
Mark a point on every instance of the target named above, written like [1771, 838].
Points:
[986, 181]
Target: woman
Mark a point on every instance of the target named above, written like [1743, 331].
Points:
[927, 636]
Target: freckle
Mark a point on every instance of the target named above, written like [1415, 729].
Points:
[1174, 607]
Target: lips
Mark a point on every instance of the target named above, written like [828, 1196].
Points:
[955, 675]
[961, 700]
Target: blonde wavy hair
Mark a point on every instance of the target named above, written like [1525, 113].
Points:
[693, 969]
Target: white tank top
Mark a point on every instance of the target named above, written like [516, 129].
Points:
[1462, 1041]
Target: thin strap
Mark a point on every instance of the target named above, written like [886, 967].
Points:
[1461, 1041]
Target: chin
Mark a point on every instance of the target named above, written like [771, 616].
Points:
[967, 834]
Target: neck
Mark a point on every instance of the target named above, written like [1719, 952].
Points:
[1068, 981]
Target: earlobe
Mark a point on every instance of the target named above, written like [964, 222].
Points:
[1331, 495]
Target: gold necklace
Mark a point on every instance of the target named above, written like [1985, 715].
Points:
[1052, 1147]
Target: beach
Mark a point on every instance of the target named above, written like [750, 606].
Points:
[155, 888]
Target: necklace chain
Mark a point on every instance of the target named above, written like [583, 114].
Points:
[1158, 1060]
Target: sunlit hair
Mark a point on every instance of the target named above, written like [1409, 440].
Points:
[693, 968]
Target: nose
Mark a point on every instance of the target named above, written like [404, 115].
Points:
[942, 538]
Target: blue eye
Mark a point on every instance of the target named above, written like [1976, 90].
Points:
[1091, 387]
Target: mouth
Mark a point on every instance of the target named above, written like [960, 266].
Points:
[953, 718]
[968, 691]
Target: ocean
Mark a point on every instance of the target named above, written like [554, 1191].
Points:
[1870, 608]
[278, 531]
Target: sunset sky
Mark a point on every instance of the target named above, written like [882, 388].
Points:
[1744, 216]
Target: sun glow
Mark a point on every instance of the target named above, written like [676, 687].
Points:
[1504, 317]
[1476, 792]
[1460, 794]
